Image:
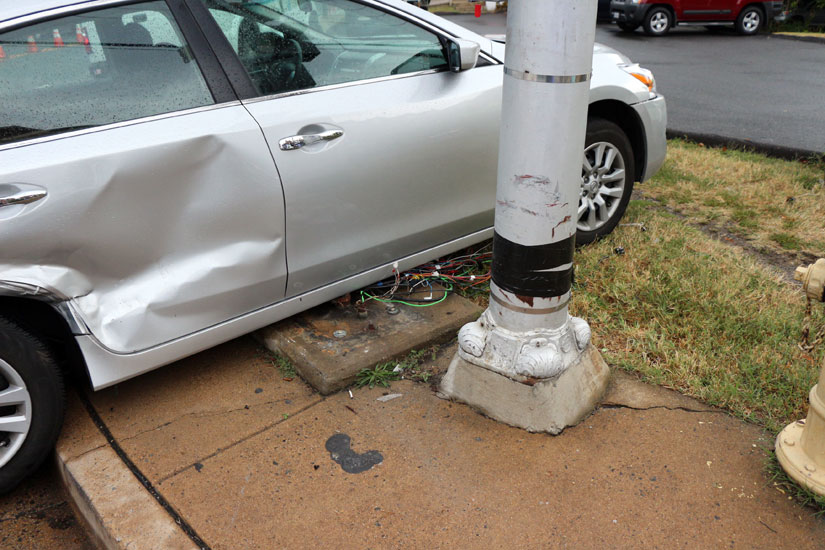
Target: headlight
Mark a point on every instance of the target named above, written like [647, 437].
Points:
[634, 1]
[642, 75]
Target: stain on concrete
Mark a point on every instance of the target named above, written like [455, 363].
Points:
[351, 462]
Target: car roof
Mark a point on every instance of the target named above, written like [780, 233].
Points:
[9, 9]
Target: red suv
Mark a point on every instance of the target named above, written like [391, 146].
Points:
[658, 16]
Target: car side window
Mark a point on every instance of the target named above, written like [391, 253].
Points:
[288, 45]
[95, 68]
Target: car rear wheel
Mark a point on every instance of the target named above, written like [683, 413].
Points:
[607, 180]
[628, 27]
[749, 21]
[658, 21]
[32, 401]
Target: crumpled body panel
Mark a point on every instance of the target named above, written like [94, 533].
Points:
[153, 230]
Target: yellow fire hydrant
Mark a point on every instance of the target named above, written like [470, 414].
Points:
[800, 447]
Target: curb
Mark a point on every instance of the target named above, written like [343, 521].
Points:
[118, 511]
[814, 39]
[714, 140]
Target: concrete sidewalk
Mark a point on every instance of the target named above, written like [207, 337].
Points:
[241, 459]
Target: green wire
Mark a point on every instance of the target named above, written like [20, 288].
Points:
[382, 300]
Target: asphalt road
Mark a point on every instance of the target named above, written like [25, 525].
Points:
[760, 88]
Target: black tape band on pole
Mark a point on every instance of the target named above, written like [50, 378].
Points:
[522, 269]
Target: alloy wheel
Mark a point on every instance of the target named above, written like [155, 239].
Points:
[751, 21]
[659, 22]
[15, 412]
[603, 182]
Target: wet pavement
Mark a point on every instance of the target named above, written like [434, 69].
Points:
[398, 467]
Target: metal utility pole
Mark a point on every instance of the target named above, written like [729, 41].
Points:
[526, 361]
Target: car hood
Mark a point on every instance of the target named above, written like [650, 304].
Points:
[600, 50]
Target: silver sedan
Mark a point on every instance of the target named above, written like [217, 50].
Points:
[174, 175]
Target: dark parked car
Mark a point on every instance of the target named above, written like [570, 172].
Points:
[657, 17]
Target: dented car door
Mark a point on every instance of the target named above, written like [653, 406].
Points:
[163, 214]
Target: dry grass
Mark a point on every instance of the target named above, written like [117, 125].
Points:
[694, 314]
[775, 204]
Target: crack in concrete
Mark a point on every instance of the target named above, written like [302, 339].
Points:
[238, 442]
[84, 453]
[665, 407]
[203, 414]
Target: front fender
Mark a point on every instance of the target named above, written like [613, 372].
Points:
[32, 289]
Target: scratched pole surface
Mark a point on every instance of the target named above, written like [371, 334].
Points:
[544, 115]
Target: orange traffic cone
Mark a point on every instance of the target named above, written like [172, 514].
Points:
[58, 40]
[86, 41]
[2, 53]
[78, 34]
[32, 44]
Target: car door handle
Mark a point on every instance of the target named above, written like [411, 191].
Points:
[22, 197]
[296, 142]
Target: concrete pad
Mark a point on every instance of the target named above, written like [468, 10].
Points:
[544, 406]
[330, 364]
[451, 478]
[118, 511]
[169, 419]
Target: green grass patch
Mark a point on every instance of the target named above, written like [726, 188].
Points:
[786, 241]
[411, 367]
[748, 193]
[280, 362]
[693, 314]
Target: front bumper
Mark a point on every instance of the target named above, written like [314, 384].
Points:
[625, 12]
[775, 11]
[653, 114]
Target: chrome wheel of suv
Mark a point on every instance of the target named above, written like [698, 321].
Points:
[657, 21]
[749, 21]
[607, 180]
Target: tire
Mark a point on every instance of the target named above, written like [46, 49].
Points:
[627, 27]
[605, 191]
[750, 21]
[658, 21]
[31, 387]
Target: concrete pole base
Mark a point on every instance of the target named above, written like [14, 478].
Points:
[548, 405]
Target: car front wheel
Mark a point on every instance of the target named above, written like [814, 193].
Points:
[607, 180]
[749, 21]
[32, 401]
[658, 21]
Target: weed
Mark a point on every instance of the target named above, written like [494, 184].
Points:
[284, 365]
[382, 374]
[410, 367]
[279, 361]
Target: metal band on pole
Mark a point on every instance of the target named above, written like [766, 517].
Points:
[546, 78]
